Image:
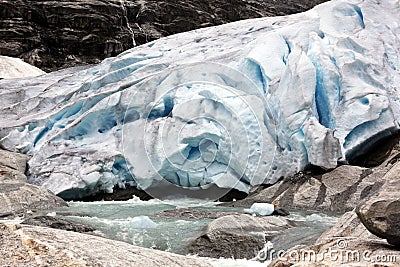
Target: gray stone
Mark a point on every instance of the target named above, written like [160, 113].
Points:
[17, 198]
[16, 195]
[339, 190]
[23, 245]
[13, 160]
[9, 174]
[59, 223]
[380, 214]
[349, 225]
[351, 243]
[237, 236]
[185, 213]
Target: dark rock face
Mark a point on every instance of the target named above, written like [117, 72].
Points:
[380, 214]
[118, 194]
[59, 223]
[58, 34]
[237, 236]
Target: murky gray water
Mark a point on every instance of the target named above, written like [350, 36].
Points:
[135, 222]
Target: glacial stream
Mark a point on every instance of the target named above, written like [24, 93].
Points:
[143, 223]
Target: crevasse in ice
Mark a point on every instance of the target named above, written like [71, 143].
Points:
[236, 105]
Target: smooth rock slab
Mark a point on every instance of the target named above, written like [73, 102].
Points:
[381, 213]
[237, 236]
[185, 213]
[16, 195]
[17, 198]
[13, 160]
[38, 246]
[59, 223]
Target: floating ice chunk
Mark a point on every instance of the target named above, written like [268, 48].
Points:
[262, 209]
[141, 222]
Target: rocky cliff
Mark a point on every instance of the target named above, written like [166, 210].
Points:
[58, 34]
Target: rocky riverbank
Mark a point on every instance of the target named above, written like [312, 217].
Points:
[358, 240]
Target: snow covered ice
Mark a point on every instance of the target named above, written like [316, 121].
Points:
[236, 105]
[15, 68]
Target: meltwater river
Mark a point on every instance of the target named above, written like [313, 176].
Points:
[139, 222]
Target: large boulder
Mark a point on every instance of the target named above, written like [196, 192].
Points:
[381, 212]
[16, 195]
[12, 166]
[357, 236]
[238, 236]
[19, 198]
[186, 213]
[347, 243]
[339, 190]
[38, 246]
[57, 34]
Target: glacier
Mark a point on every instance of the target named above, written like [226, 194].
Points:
[232, 106]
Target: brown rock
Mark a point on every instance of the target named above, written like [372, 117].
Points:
[57, 222]
[13, 160]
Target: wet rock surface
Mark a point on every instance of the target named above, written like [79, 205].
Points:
[58, 34]
[237, 236]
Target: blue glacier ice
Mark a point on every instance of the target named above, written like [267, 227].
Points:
[233, 106]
